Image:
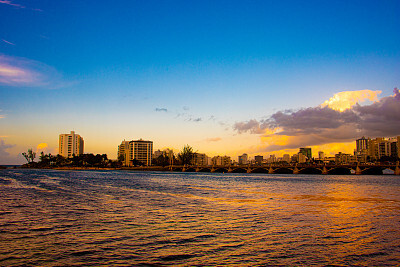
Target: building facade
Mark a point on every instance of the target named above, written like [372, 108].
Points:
[306, 151]
[259, 159]
[286, 157]
[200, 159]
[70, 144]
[383, 147]
[139, 150]
[243, 159]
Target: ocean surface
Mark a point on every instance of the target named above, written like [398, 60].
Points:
[122, 218]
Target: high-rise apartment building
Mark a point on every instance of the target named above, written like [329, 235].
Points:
[302, 158]
[243, 159]
[398, 146]
[286, 157]
[362, 144]
[383, 147]
[306, 151]
[199, 159]
[258, 159]
[139, 150]
[70, 144]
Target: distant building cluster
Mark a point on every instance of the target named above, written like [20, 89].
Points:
[374, 149]
[140, 152]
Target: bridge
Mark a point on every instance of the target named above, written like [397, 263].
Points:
[357, 169]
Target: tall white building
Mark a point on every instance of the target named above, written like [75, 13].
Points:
[139, 150]
[70, 144]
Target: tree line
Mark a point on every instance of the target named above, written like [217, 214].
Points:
[184, 157]
[52, 161]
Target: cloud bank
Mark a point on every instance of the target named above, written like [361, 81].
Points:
[4, 155]
[340, 119]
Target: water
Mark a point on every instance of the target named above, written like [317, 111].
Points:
[88, 218]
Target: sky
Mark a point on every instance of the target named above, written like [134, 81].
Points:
[225, 77]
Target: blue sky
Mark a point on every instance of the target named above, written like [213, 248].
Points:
[104, 68]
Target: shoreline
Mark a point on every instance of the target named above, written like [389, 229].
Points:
[168, 169]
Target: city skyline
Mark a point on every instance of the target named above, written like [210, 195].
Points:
[225, 77]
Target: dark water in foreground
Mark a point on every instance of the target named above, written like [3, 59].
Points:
[66, 218]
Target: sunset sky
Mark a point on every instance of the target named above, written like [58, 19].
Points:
[226, 77]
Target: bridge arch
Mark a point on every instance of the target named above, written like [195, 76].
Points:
[205, 170]
[259, 170]
[239, 170]
[283, 170]
[373, 171]
[340, 171]
[310, 170]
[220, 170]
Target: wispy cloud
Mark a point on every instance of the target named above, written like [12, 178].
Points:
[11, 3]
[327, 124]
[161, 110]
[22, 72]
[7, 42]
[196, 119]
[214, 139]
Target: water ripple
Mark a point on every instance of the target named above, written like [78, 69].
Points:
[106, 218]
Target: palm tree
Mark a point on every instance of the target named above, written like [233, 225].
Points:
[186, 155]
[30, 156]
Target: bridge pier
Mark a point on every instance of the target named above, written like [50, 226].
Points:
[397, 170]
[324, 170]
[296, 170]
[358, 171]
[270, 171]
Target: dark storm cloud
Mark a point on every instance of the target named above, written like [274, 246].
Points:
[381, 118]
[322, 125]
[309, 120]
